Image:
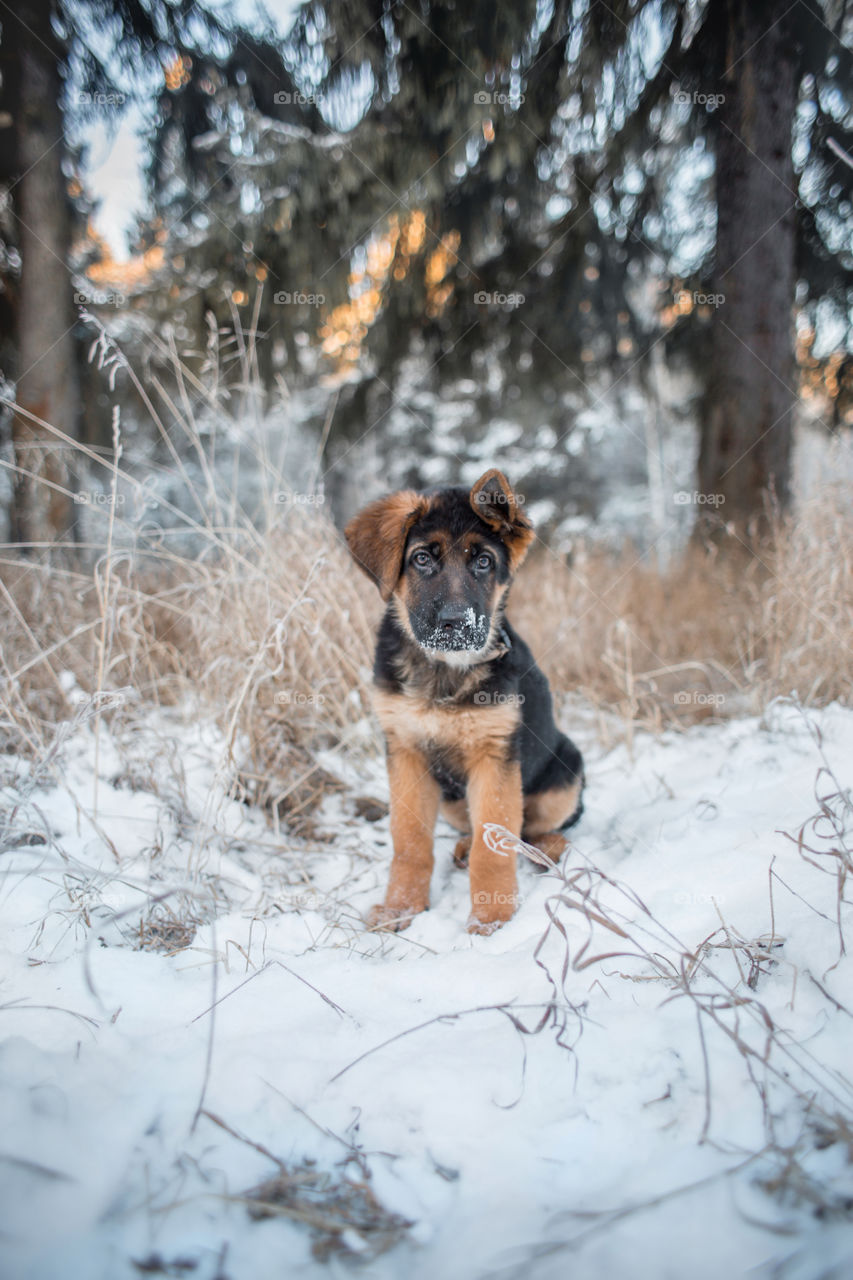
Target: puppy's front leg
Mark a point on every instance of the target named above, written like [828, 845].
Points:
[494, 796]
[415, 797]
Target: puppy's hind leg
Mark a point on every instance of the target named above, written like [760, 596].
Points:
[548, 813]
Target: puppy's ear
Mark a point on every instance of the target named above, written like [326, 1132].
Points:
[377, 537]
[494, 502]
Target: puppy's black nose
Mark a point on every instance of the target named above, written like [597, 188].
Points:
[452, 616]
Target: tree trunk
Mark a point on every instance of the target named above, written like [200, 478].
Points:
[746, 430]
[46, 380]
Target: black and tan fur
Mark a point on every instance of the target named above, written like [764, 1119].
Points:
[465, 710]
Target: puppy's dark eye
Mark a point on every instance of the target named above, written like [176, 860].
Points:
[422, 559]
[484, 561]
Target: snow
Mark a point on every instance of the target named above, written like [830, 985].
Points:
[591, 1147]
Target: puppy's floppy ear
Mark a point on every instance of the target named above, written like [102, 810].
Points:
[494, 502]
[377, 536]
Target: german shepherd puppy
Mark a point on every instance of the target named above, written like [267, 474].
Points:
[465, 710]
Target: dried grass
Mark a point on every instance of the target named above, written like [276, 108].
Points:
[164, 930]
[277, 639]
[343, 1214]
[713, 635]
[258, 620]
[616, 925]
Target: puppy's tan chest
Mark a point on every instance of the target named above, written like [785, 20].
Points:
[415, 722]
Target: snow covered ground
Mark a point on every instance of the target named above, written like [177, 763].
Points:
[589, 1092]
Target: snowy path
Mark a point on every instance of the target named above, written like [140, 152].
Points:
[575, 1151]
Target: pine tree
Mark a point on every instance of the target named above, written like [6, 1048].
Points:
[61, 60]
[541, 153]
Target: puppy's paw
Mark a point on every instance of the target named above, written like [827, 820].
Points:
[483, 927]
[461, 852]
[390, 919]
[489, 910]
[553, 846]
